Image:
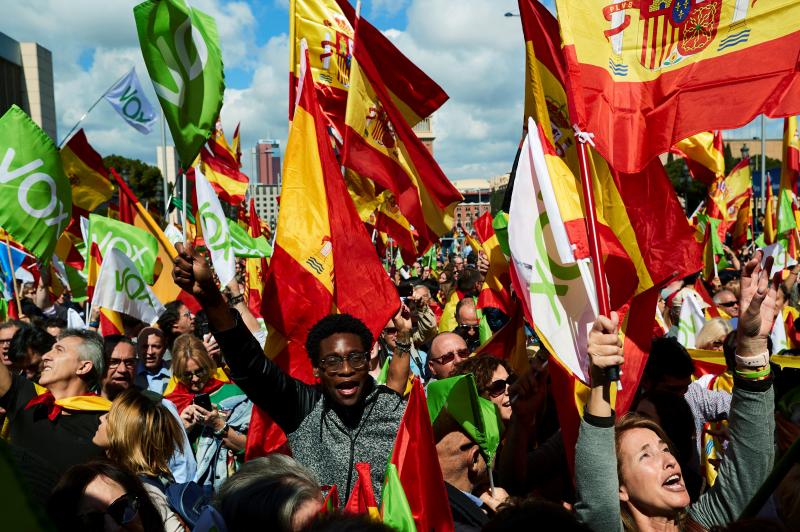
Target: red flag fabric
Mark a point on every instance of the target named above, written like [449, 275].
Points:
[418, 467]
[362, 498]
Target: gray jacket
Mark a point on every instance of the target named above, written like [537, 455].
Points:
[327, 438]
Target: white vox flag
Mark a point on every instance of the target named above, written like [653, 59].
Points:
[691, 319]
[781, 259]
[215, 229]
[778, 335]
[74, 320]
[121, 287]
[128, 99]
[557, 290]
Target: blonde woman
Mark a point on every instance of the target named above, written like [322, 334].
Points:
[216, 414]
[141, 435]
[712, 335]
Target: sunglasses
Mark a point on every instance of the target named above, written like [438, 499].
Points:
[390, 330]
[728, 304]
[123, 511]
[498, 387]
[449, 357]
[187, 375]
[470, 327]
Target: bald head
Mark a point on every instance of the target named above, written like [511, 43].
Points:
[447, 350]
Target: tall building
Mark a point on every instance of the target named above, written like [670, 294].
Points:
[169, 164]
[26, 79]
[265, 198]
[477, 201]
[268, 162]
[424, 131]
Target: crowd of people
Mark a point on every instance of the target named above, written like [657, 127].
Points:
[148, 430]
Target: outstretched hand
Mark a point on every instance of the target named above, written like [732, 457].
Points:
[757, 305]
[192, 272]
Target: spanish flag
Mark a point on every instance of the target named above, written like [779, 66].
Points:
[90, 188]
[256, 267]
[390, 221]
[380, 144]
[704, 155]
[319, 233]
[496, 289]
[223, 173]
[648, 74]
[741, 231]
[327, 27]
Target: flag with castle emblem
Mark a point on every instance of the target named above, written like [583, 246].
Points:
[647, 74]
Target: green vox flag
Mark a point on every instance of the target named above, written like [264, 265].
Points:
[245, 245]
[180, 46]
[786, 221]
[35, 195]
[395, 510]
[477, 416]
[139, 245]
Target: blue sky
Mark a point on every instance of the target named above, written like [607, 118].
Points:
[468, 46]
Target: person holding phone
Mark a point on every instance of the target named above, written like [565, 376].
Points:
[216, 414]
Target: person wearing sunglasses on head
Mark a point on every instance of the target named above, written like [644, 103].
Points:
[344, 420]
[215, 414]
[101, 496]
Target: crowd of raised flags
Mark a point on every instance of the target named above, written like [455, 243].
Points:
[590, 227]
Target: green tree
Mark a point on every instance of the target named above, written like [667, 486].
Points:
[145, 180]
[690, 190]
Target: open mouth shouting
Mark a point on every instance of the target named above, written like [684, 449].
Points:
[674, 483]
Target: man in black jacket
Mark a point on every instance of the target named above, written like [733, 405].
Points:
[344, 420]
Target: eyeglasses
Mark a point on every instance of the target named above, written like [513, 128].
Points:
[498, 387]
[728, 304]
[449, 357]
[390, 330]
[334, 363]
[123, 511]
[466, 327]
[129, 363]
[199, 373]
[4, 341]
[186, 314]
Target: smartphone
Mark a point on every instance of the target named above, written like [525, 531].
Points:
[203, 400]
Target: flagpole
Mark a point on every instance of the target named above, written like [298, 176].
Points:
[71, 131]
[604, 307]
[13, 276]
[164, 158]
[183, 195]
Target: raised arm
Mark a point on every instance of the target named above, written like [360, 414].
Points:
[750, 453]
[287, 400]
[596, 479]
[399, 365]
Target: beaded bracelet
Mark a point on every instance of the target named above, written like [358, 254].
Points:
[755, 375]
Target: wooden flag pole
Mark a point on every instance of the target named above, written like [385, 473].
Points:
[601, 288]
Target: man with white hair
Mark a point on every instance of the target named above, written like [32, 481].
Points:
[52, 425]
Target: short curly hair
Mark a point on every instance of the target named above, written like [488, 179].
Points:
[482, 367]
[336, 324]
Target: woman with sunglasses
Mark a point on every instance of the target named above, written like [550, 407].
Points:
[140, 434]
[493, 377]
[101, 496]
[216, 414]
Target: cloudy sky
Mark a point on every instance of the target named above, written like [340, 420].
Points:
[469, 47]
